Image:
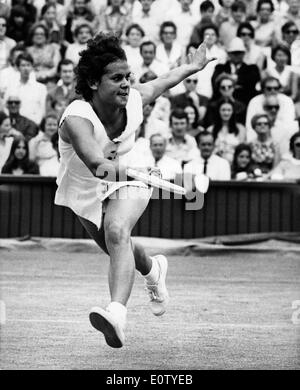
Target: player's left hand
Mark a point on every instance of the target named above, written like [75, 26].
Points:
[198, 58]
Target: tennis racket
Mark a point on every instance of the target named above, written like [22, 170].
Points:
[155, 181]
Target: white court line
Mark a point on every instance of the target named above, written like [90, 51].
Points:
[2, 313]
[203, 325]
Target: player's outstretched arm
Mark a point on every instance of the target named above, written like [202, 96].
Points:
[195, 62]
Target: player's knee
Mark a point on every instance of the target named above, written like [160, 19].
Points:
[117, 233]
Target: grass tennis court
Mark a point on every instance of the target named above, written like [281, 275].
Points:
[226, 312]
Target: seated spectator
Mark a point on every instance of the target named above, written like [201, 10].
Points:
[184, 19]
[290, 36]
[226, 131]
[58, 106]
[224, 13]
[265, 152]
[150, 63]
[270, 87]
[79, 12]
[162, 107]
[7, 134]
[31, 93]
[31, 10]
[65, 87]
[289, 167]
[152, 124]
[242, 167]
[181, 146]
[6, 44]
[207, 163]
[18, 25]
[280, 132]
[266, 28]
[50, 166]
[194, 127]
[169, 50]
[40, 147]
[210, 33]
[49, 19]
[10, 75]
[168, 166]
[228, 29]
[144, 15]
[24, 125]
[292, 13]
[246, 76]
[281, 69]
[61, 10]
[190, 96]
[5, 8]
[18, 162]
[254, 53]
[83, 32]
[46, 56]
[134, 35]
[207, 10]
[225, 86]
[115, 18]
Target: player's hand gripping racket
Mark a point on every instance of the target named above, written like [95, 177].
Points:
[155, 181]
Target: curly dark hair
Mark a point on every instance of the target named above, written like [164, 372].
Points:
[102, 50]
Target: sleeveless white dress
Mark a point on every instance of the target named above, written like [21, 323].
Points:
[78, 188]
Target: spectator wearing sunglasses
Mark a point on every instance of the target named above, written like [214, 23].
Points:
[289, 166]
[265, 152]
[254, 53]
[224, 91]
[291, 37]
[270, 87]
[24, 125]
[190, 96]
[281, 132]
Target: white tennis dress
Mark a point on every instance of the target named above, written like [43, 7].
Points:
[78, 188]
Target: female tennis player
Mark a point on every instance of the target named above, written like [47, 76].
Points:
[93, 133]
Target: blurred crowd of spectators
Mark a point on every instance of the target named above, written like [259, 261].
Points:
[237, 119]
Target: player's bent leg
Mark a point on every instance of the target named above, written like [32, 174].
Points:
[154, 269]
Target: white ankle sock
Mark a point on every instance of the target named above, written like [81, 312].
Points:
[118, 310]
[153, 276]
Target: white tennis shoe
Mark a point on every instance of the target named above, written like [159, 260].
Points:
[158, 293]
[109, 325]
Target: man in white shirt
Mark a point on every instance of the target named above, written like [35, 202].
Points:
[168, 166]
[180, 145]
[184, 19]
[281, 132]
[207, 163]
[144, 15]
[270, 87]
[32, 94]
[6, 43]
[148, 53]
